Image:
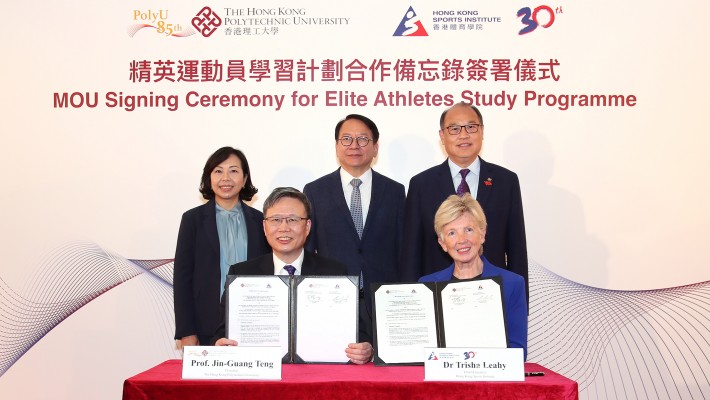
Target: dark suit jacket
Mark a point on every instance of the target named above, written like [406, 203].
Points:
[196, 273]
[502, 204]
[313, 264]
[333, 233]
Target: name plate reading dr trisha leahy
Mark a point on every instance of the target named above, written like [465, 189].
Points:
[473, 364]
[231, 362]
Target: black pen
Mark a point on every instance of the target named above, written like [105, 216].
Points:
[534, 374]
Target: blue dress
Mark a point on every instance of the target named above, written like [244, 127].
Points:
[516, 309]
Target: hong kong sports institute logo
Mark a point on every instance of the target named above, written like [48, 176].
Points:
[410, 25]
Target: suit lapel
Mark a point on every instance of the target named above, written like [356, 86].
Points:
[336, 190]
[209, 225]
[445, 183]
[254, 228]
[266, 265]
[485, 183]
[308, 265]
[376, 195]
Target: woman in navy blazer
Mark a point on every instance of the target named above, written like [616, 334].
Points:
[460, 226]
[212, 237]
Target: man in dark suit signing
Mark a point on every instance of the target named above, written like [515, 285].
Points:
[358, 214]
[287, 222]
[496, 189]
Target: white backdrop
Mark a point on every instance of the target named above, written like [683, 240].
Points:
[614, 197]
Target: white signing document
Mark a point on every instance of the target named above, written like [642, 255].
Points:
[326, 318]
[258, 311]
[405, 323]
[472, 314]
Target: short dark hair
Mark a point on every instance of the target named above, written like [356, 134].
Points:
[474, 108]
[367, 121]
[282, 192]
[218, 157]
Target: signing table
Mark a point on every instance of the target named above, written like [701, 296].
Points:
[351, 382]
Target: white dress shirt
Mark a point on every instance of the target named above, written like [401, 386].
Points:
[279, 265]
[471, 178]
[365, 190]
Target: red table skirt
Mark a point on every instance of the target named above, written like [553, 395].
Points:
[351, 382]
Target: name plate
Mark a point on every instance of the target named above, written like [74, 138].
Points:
[231, 362]
[473, 364]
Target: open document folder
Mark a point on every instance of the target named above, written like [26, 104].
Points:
[312, 318]
[410, 316]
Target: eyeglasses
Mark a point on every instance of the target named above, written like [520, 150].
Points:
[362, 141]
[456, 129]
[290, 221]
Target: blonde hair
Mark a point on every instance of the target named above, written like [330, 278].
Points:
[455, 206]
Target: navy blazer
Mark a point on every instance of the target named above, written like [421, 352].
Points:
[500, 198]
[313, 264]
[196, 272]
[516, 310]
[333, 233]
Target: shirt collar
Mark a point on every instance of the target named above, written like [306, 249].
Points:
[475, 167]
[345, 177]
[279, 265]
[237, 207]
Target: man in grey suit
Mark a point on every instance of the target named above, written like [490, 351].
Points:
[357, 212]
[287, 223]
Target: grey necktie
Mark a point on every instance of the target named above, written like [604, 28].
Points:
[356, 206]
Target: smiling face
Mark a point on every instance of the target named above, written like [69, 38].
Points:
[462, 238]
[463, 148]
[227, 179]
[287, 240]
[355, 159]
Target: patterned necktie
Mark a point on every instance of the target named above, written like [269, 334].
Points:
[290, 269]
[356, 206]
[463, 186]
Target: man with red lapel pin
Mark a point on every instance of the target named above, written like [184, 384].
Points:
[496, 189]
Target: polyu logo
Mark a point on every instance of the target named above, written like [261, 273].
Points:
[410, 25]
[206, 21]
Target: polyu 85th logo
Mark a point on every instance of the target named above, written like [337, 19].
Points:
[158, 20]
[206, 22]
[410, 25]
[543, 16]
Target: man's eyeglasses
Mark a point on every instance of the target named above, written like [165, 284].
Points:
[290, 221]
[362, 141]
[456, 129]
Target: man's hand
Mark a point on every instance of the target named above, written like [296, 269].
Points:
[187, 341]
[225, 342]
[359, 353]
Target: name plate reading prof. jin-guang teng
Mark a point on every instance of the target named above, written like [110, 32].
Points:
[231, 362]
[473, 364]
